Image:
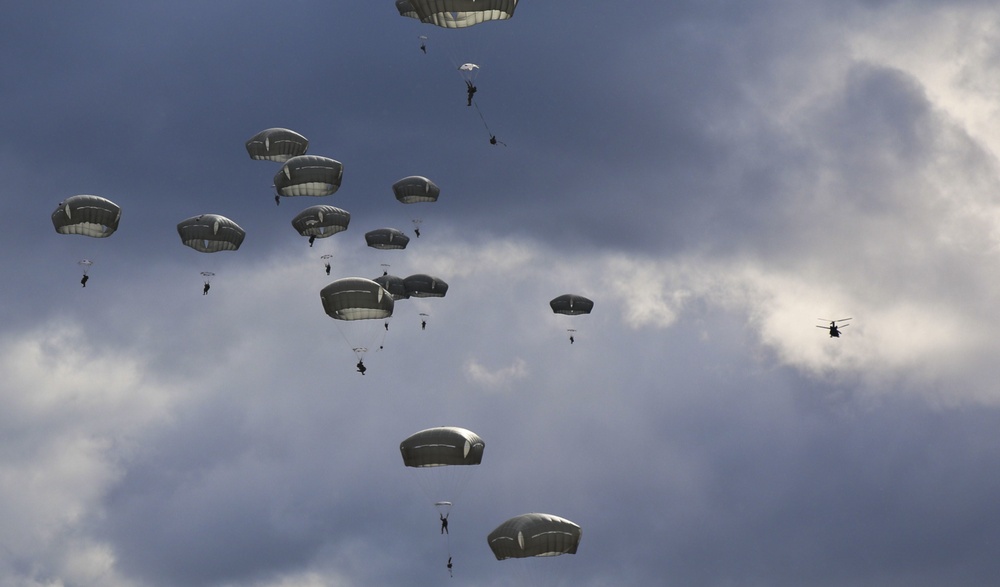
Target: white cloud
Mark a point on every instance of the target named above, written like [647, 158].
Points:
[73, 413]
[497, 378]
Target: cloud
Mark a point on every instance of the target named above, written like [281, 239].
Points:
[73, 415]
[501, 377]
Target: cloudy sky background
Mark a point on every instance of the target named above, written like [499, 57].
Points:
[715, 175]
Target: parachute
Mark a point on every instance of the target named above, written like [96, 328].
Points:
[425, 286]
[534, 535]
[386, 239]
[321, 221]
[571, 305]
[309, 175]
[443, 446]
[210, 233]
[86, 215]
[460, 15]
[277, 144]
[454, 14]
[358, 303]
[356, 298]
[443, 458]
[415, 188]
[469, 71]
[393, 285]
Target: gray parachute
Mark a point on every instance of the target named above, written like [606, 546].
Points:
[415, 188]
[571, 305]
[386, 239]
[356, 298]
[454, 14]
[392, 284]
[531, 535]
[309, 175]
[210, 233]
[442, 446]
[422, 285]
[86, 215]
[276, 144]
[321, 221]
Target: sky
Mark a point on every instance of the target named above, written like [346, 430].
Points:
[717, 176]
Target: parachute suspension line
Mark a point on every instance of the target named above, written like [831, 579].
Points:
[493, 138]
[385, 332]
[481, 117]
[358, 351]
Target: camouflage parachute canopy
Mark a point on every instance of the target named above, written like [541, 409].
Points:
[386, 238]
[571, 305]
[455, 14]
[356, 298]
[415, 188]
[309, 175]
[530, 535]
[321, 221]
[276, 144]
[210, 233]
[87, 215]
[442, 446]
[421, 285]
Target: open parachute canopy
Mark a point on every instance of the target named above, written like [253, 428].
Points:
[92, 216]
[321, 221]
[421, 285]
[356, 298]
[456, 14]
[571, 305]
[276, 144]
[210, 233]
[441, 459]
[386, 239]
[309, 175]
[443, 446]
[415, 188]
[531, 535]
[392, 284]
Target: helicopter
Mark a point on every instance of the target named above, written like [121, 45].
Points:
[834, 326]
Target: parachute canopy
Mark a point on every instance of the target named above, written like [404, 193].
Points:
[424, 286]
[386, 238]
[87, 215]
[321, 221]
[309, 175]
[356, 298]
[455, 14]
[277, 144]
[447, 445]
[210, 233]
[393, 285]
[530, 535]
[415, 188]
[571, 305]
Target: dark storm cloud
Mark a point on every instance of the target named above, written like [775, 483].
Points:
[699, 169]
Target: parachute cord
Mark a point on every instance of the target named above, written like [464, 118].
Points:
[447, 539]
[493, 139]
[381, 342]
[357, 354]
[481, 117]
